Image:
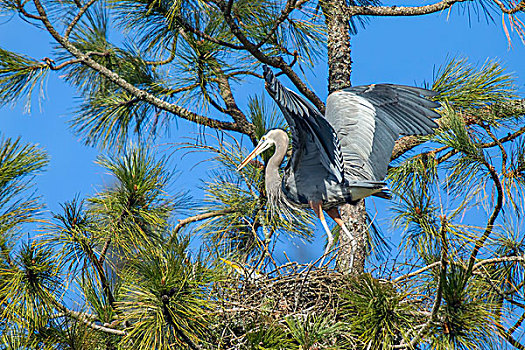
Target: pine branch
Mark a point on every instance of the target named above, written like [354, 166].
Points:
[77, 18]
[498, 111]
[105, 248]
[165, 310]
[72, 223]
[51, 64]
[490, 224]
[207, 37]
[504, 139]
[21, 7]
[138, 93]
[199, 217]
[88, 321]
[518, 323]
[232, 108]
[104, 251]
[399, 10]
[19, 75]
[507, 333]
[102, 275]
[417, 272]
[439, 293]
[517, 8]
[503, 152]
[498, 260]
[474, 269]
[244, 72]
[276, 62]
[167, 60]
[512, 341]
[501, 293]
[285, 14]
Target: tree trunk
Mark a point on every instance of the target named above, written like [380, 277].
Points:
[355, 218]
[339, 71]
[338, 45]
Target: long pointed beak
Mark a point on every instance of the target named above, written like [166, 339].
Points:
[262, 146]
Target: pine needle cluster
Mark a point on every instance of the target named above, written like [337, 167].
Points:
[141, 265]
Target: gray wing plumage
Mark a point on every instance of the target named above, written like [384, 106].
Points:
[310, 130]
[369, 119]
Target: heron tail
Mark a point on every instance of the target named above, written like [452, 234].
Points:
[384, 193]
[362, 189]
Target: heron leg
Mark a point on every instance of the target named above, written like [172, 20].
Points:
[334, 214]
[318, 210]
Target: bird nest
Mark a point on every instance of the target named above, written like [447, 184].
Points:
[289, 290]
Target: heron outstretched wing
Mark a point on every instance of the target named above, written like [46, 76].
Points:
[310, 130]
[369, 119]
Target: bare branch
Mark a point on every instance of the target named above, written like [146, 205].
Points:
[199, 217]
[504, 139]
[88, 320]
[490, 224]
[400, 10]
[244, 72]
[498, 260]
[504, 156]
[417, 272]
[519, 7]
[21, 8]
[405, 144]
[75, 20]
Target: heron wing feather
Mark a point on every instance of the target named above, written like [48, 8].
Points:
[369, 119]
[309, 128]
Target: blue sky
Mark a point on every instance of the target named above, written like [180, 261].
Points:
[394, 50]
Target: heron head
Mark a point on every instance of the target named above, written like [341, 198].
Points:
[264, 143]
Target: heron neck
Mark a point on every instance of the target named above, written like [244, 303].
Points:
[272, 176]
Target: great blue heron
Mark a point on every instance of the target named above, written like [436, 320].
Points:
[342, 157]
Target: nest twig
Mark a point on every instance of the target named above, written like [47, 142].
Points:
[290, 290]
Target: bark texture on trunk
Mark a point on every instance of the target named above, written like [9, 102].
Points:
[339, 71]
[338, 45]
[355, 218]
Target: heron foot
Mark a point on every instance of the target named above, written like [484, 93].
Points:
[328, 245]
[318, 209]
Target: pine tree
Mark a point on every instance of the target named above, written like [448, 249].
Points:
[114, 270]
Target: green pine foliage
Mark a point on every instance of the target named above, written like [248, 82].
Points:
[18, 164]
[165, 298]
[19, 76]
[376, 315]
[441, 193]
[142, 265]
[92, 253]
[247, 225]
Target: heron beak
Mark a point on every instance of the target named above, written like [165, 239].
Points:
[262, 146]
